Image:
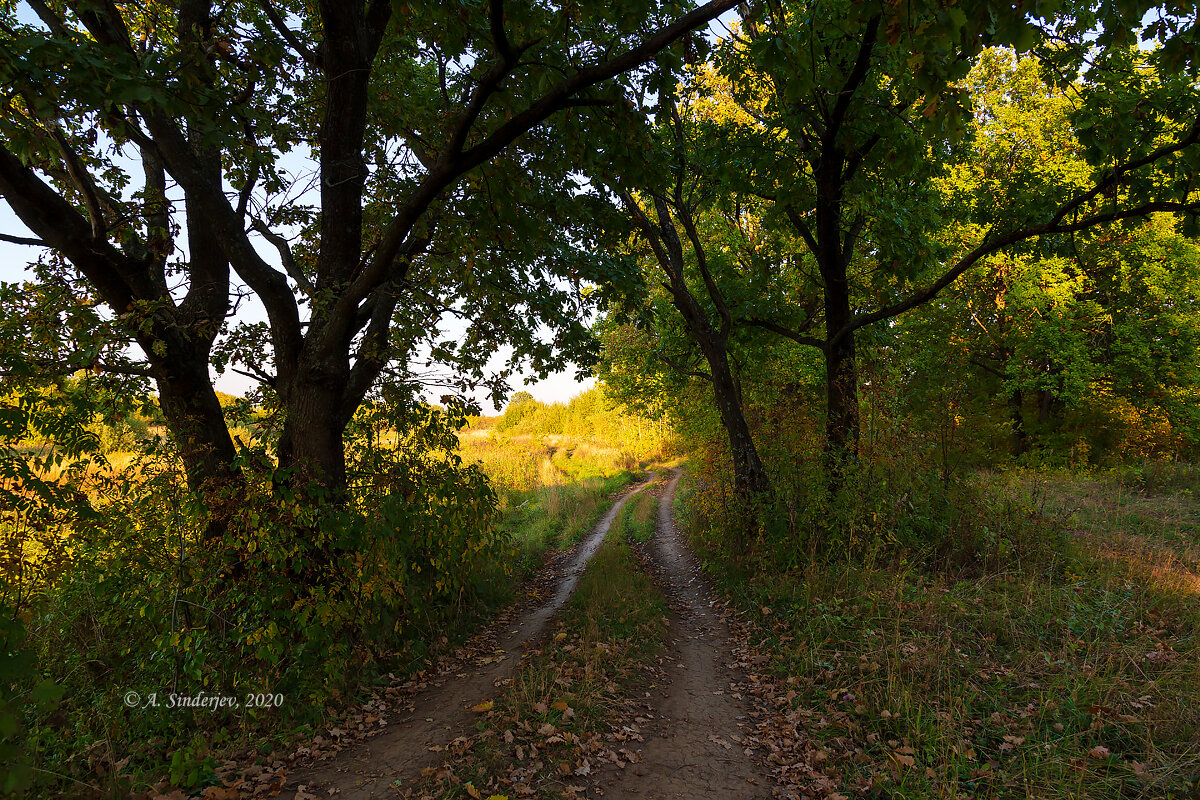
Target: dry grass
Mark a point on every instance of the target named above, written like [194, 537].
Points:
[1079, 677]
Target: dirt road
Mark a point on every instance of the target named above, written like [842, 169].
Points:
[441, 711]
[697, 749]
[694, 746]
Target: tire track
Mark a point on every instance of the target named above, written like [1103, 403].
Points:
[442, 712]
[698, 749]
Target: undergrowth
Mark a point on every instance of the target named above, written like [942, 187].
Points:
[1029, 635]
[298, 602]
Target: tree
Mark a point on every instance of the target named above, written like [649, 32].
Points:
[1056, 319]
[125, 127]
[837, 134]
[850, 112]
[1079, 337]
[659, 220]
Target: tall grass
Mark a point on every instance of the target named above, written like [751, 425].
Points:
[941, 633]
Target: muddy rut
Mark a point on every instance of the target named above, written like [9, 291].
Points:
[442, 712]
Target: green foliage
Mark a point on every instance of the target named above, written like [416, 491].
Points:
[872, 151]
[16, 670]
[298, 597]
[520, 406]
[595, 415]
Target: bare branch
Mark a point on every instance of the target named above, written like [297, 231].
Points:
[285, 256]
[4, 237]
[257, 374]
[289, 36]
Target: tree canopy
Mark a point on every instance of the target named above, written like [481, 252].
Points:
[153, 151]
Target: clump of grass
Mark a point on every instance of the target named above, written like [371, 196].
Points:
[644, 514]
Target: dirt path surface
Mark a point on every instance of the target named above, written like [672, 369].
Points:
[441, 711]
[697, 747]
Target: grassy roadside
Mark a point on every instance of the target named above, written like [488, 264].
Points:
[578, 489]
[643, 512]
[1078, 676]
[552, 489]
[554, 721]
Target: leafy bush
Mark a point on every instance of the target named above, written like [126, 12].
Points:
[296, 597]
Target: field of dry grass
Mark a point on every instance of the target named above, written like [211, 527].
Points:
[551, 489]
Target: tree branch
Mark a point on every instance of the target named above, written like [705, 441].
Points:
[1113, 179]
[802, 228]
[987, 368]
[83, 182]
[257, 374]
[4, 237]
[445, 173]
[289, 36]
[285, 256]
[854, 80]
[682, 369]
[986, 248]
[787, 333]
[499, 38]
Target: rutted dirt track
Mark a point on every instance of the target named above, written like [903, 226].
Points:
[693, 749]
[698, 749]
[441, 712]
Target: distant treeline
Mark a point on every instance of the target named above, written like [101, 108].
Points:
[591, 415]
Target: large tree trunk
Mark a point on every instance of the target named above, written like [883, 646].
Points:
[1046, 406]
[841, 380]
[197, 424]
[312, 452]
[842, 429]
[176, 335]
[749, 477]
[833, 252]
[196, 421]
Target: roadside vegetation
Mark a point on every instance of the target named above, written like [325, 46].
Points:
[1030, 632]
[119, 614]
[555, 467]
[911, 288]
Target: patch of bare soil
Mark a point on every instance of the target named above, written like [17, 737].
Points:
[422, 719]
[696, 744]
